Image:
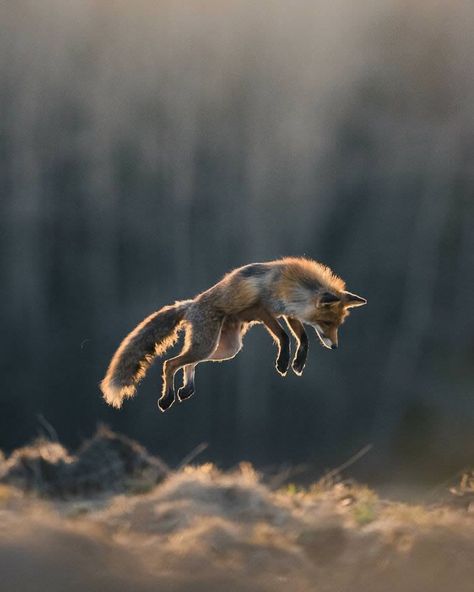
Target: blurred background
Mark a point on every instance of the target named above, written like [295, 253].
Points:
[149, 147]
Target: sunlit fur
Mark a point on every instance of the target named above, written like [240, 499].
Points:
[151, 338]
[215, 321]
[301, 270]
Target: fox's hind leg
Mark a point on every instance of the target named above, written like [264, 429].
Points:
[230, 343]
[302, 340]
[201, 341]
[187, 390]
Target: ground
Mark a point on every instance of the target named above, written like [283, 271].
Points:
[201, 529]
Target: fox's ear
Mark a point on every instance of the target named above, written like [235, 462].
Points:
[328, 298]
[352, 300]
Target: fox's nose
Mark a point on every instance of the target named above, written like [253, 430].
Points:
[334, 346]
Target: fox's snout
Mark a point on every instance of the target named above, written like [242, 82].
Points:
[326, 340]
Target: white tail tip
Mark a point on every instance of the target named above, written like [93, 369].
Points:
[114, 394]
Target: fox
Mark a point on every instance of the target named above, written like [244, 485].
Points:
[297, 290]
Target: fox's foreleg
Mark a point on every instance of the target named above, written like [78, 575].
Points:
[281, 338]
[201, 340]
[296, 327]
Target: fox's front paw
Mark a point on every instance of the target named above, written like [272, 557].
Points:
[185, 392]
[282, 363]
[299, 362]
[298, 366]
[166, 401]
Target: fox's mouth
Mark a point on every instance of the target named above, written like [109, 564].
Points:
[325, 341]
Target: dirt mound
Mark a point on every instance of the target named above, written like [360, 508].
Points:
[338, 537]
[108, 462]
[202, 529]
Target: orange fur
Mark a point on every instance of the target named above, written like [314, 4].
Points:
[300, 269]
[297, 289]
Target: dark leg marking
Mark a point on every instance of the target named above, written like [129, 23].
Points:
[299, 360]
[301, 337]
[283, 359]
[187, 390]
[280, 336]
[203, 340]
[166, 400]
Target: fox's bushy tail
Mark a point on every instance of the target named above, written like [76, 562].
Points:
[151, 338]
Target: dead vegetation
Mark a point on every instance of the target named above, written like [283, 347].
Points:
[198, 528]
[462, 494]
[107, 463]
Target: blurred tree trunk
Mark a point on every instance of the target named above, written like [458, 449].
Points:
[399, 381]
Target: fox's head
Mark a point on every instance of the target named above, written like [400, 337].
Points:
[329, 312]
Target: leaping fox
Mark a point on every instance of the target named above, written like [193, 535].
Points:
[215, 322]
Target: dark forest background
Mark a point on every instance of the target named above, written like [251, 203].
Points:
[147, 147]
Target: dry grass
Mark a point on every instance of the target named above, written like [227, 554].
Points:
[204, 529]
[106, 463]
